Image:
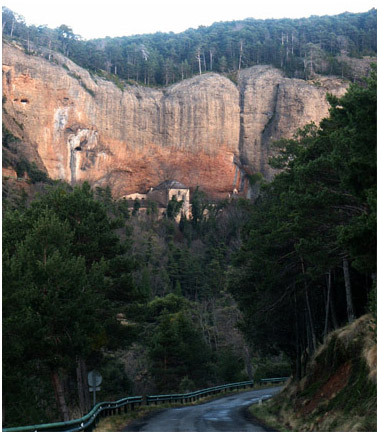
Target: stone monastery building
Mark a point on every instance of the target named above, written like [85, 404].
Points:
[162, 194]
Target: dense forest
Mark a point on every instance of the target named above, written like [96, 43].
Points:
[89, 283]
[308, 258]
[239, 290]
[300, 47]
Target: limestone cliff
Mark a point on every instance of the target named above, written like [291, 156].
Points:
[203, 131]
[273, 107]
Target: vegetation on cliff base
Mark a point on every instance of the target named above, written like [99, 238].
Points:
[88, 285]
[59, 272]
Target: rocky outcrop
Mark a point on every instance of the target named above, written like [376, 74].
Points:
[273, 107]
[203, 131]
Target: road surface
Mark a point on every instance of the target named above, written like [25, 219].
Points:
[223, 414]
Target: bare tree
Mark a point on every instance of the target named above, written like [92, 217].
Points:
[349, 298]
[13, 22]
[211, 53]
[205, 63]
[198, 57]
[241, 54]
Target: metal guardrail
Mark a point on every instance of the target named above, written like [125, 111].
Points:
[193, 396]
[89, 421]
[273, 380]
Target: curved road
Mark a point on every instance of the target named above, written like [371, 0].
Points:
[223, 414]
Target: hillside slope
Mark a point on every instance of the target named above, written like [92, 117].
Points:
[339, 391]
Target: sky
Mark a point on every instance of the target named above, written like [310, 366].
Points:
[97, 19]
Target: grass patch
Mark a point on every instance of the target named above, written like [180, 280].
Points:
[267, 414]
[8, 137]
[233, 77]
[311, 390]
[81, 82]
[118, 422]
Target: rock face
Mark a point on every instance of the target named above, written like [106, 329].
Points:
[203, 131]
[273, 107]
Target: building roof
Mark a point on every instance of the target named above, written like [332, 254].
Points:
[167, 185]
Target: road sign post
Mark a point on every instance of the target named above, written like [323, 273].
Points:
[94, 381]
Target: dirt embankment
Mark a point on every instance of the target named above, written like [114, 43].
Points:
[339, 393]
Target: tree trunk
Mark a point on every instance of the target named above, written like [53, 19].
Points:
[349, 298]
[333, 313]
[87, 397]
[240, 58]
[292, 39]
[199, 60]
[12, 27]
[249, 366]
[304, 355]
[59, 395]
[311, 326]
[327, 306]
[79, 383]
[298, 346]
[309, 311]
[82, 383]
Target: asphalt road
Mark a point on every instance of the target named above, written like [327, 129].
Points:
[221, 415]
